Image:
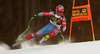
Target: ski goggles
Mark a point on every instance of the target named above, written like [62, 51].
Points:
[59, 11]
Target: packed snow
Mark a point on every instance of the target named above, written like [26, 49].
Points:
[92, 47]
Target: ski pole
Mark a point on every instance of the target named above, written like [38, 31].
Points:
[28, 25]
[62, 36]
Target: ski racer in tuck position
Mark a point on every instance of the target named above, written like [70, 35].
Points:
[57, 20]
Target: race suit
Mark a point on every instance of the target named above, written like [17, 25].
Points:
[53, 27]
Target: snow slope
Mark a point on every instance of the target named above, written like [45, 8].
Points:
[92, 47]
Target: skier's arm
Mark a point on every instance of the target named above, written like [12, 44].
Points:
[63, 24]
[46, 13]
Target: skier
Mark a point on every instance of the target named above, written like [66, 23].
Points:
[57, 20]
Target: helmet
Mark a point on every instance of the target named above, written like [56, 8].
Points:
[59, 9]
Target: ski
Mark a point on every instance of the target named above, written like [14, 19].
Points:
[17, 43]
[43, 39]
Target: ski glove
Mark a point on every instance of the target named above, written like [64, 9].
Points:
[40, 14]
[63, 29]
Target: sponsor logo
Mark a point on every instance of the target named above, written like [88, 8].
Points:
[79, 12]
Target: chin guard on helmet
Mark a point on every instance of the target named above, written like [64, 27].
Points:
[59, 9]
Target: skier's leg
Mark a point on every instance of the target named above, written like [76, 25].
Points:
[42, 31]
[54, 32]
[32, 35]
